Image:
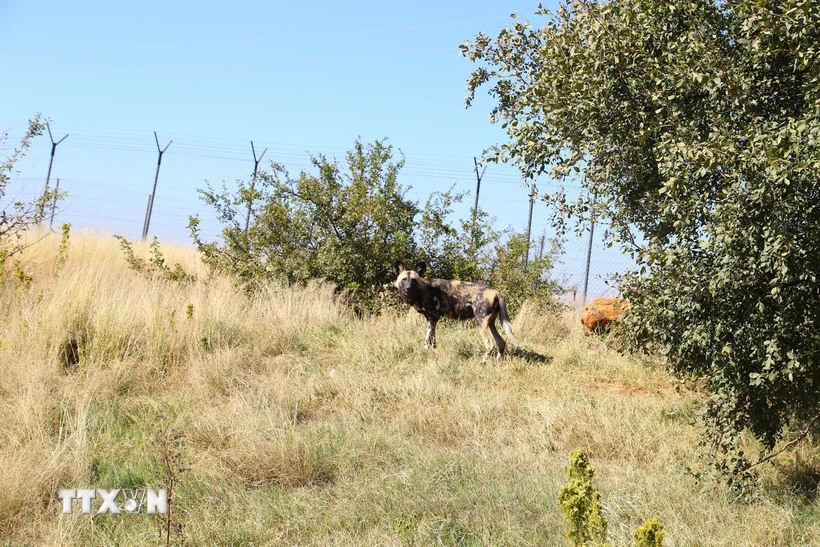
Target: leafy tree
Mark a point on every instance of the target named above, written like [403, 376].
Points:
[347, 224]
[507, 273]
[19, 216]
[459, 252]
[697, 124]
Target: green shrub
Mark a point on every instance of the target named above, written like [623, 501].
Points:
[155, 266]
[344, 223]
[581, 503]
[18, 217]
[62, 249]
[508, 274]
[348, 223]
[650, 534]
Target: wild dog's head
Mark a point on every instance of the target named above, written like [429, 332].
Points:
[409, 282]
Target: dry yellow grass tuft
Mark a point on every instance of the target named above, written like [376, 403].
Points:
[301, 424]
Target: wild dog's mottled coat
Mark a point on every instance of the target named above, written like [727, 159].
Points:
[436, 298]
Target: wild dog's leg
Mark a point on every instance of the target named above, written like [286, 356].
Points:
[500, 344]
[431, 333]
[433, 314]
[481, 323]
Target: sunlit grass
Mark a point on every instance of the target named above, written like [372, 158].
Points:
[301, 424]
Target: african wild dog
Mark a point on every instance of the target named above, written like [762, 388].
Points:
[436, 298]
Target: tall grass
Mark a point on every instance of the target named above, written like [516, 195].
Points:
[302, 424]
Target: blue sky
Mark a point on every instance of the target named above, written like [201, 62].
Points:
[296, 78]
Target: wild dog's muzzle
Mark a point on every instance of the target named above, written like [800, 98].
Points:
[408, 289]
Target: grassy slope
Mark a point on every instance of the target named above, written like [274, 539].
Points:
[304, 425]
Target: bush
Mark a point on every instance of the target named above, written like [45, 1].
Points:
[155, 266]
[650, 534]
[508, 274]
[348, 224]
[581, 503]
[19, 216]
[344, 224]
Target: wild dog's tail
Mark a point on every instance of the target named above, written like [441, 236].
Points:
[505, 317]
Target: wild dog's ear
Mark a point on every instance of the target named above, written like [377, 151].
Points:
[420, 268]
[398, 267]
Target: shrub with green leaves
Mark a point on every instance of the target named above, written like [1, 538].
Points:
[155, 266]
[697, 126]
[16, 217]
[62, 248]
[520, 279]
[650, 534]
[347, 223]
[344, 223]
[581, 503]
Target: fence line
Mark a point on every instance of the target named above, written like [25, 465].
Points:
[109, 194]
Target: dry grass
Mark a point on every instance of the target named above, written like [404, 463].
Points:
[304, 425]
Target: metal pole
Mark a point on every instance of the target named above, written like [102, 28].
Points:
[477, 188]
[589, 253]
[51, 161]
[529, 227]
[154, 193]
[54, 204]
[145, 222]
[253, 182]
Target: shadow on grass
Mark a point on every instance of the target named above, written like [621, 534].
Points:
[474, 351]
[802, 478]
[529, 355]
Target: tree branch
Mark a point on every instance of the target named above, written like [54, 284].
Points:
[789, 444]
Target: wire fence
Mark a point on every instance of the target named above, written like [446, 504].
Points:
[109, 174]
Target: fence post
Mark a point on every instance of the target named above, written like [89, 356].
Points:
[147, 206]
[477, 188]
[541, 246]
[51, 161]
[253, 182]
[589, 252]
[150, 207]
[53, 204]
[529, 226]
